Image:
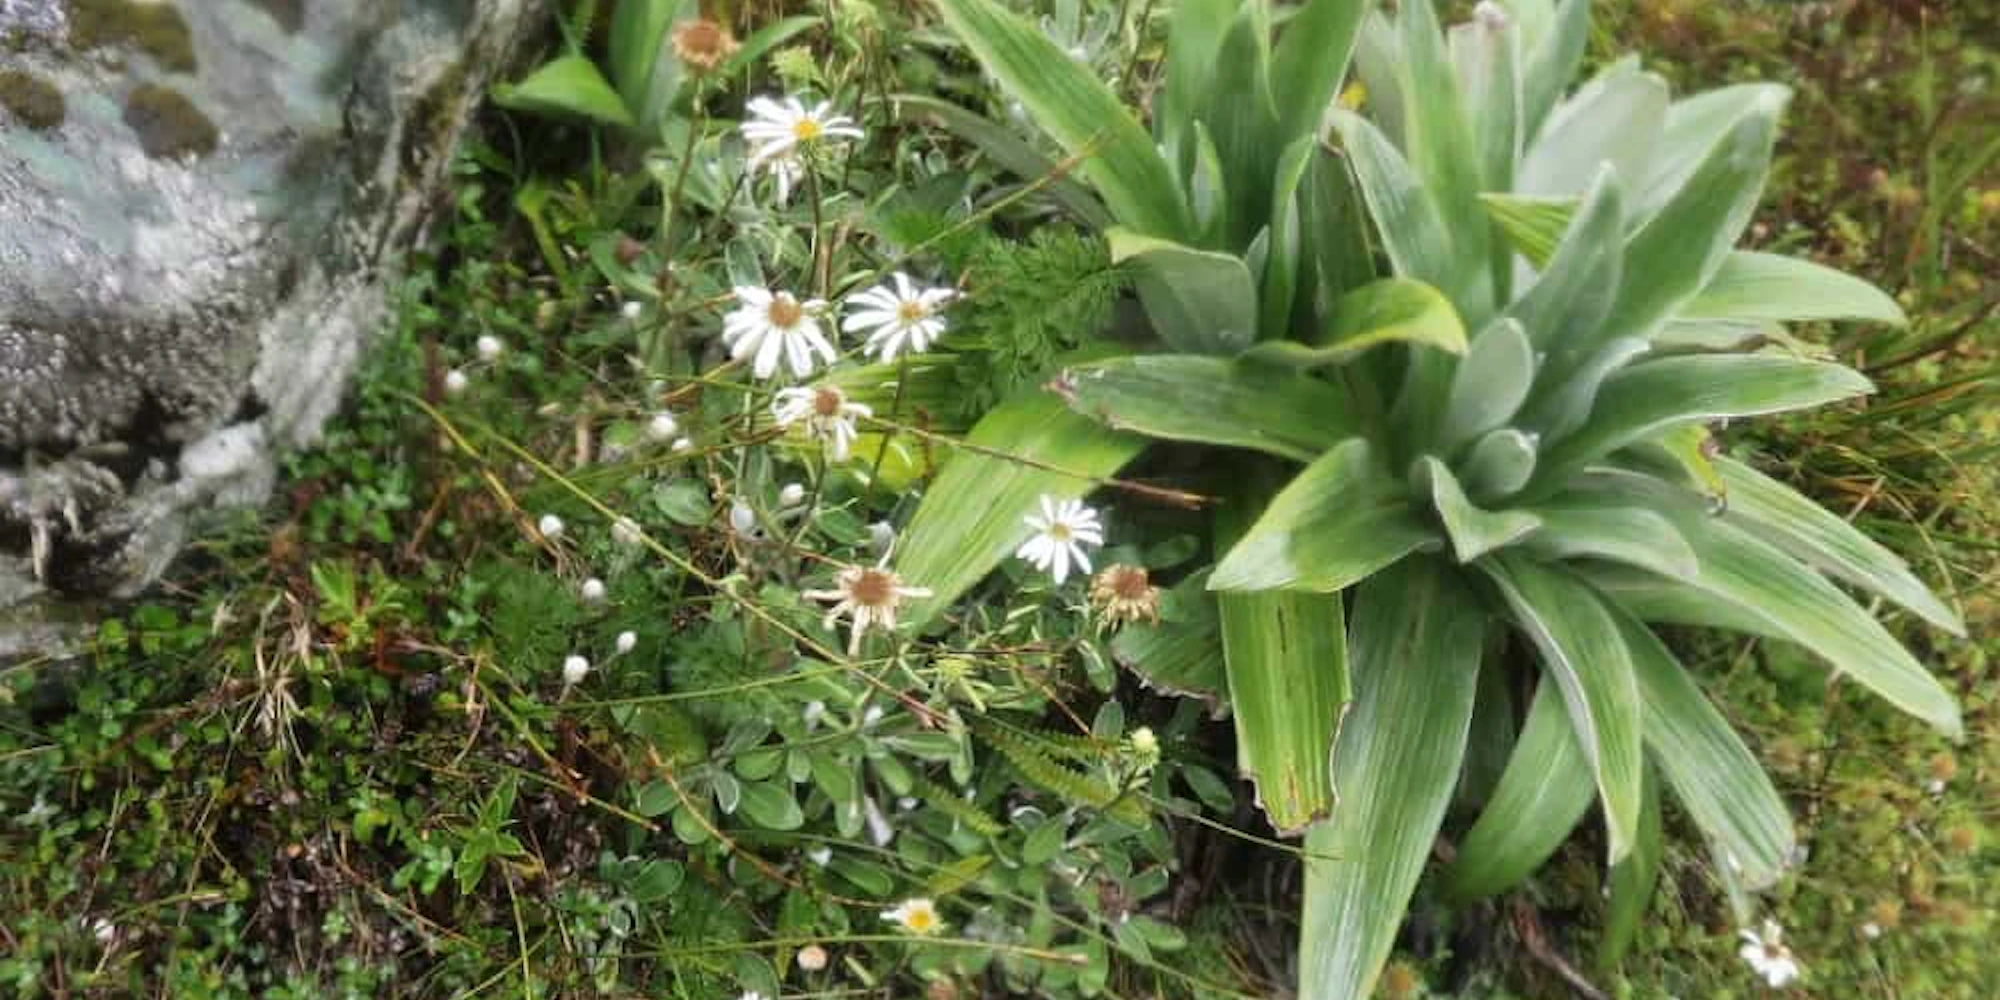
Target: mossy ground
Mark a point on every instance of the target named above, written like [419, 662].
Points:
[172, 844]
[33, 101]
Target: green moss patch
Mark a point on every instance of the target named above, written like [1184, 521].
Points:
[31, 100]
[169, 125]
[156, 29]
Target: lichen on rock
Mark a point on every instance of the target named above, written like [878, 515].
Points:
[193, 254]
[31, 100]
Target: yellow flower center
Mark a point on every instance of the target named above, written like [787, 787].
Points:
[923, 921]
[912, 312]
[1059, 532]
[806, 129]
[784, 312]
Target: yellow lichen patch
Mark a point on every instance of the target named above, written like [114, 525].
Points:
[31, 100]
[157, 29]
[169, 125]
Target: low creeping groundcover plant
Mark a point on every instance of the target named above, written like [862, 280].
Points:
[1446, 364]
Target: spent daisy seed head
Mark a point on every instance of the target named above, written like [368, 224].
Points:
[1768, 956]
[1062, 532]
[825, 412]
[768, 326]
[869, 596]
[703, 44]
[1124, 593]
[918, 916]
[898, 315]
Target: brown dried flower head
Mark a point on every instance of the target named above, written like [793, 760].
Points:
[703, 44]
[1123, 593]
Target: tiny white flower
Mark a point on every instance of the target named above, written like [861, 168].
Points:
[779, 130]
[489, 347]
[820, 856]
[812, 958]
[871, 595]
[103, 930]
[812, 714]
[825, 412]
[907, 803]
[455, 382]
[905, 316]
[872, 716]
[550, 526]
[627, 641]
[769, 326]
[742, 518]
[574, 670]
[630, 310]
[682, 445]
[1062, 530]
[918, 916]
[881, 536]
[1768, 956]
[626, 532]
[1144, 742]
[791, 495]
[1936, 786]
[592, 591]
[663, 427]
[1871, 930]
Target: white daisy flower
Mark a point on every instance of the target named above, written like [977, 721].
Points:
[1062, 530]
[827, 414]
[870, 595]
[899, 317]
[918, 916]
[575, 669]
[780, 129]
[768, 324]
[1768, 956]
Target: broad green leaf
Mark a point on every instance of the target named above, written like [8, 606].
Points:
[1748, 581]
[1491, 383]
[1240, 115]
[1336, 229]
[1483, 53]
[1406, 217]
[1415, 645]
[1575, 527]
[1499, 465]
[1713, 775]
[771, 806]
[1388, 310]
[643, 66]
[1286, 263]
[1286, 655]
[971, 517]
[1534, 225]
[1614, 119]
[1077, 110]
[1194, 34]
[1337, 522]
[1553, 62]
[1473, 532]
[1649, 398]
[1542, 795]
[1010, 153]
[1565, 309]
[1694, 125]
[1182, 653]
[1761, 286]
[1814, 535]
[1192, 397]
[1650, 597]
[1680, 249]
[1569, 387]
[1582, 651]
[1309, 62]
[570, 85]
[1200, 301]
[1437, 139]
[1632, 881]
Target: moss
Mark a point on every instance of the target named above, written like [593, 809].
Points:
[169, 125]
[156, 29]
[290, 14]
[33, 101]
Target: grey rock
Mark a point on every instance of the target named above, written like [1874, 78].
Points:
[200, 204]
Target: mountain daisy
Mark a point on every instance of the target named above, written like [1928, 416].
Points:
[1768, 956]
[826, 413]
[1061, 532]
[768, 324]
[778, 130]
[918, 916]
[871, 594]
[899, 316]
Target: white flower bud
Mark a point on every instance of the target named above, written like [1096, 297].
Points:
[455, 382]
[813, 712]
[791, 495]
[625, 532]
[812, 958]
[631, 309]
[592, 591]
[550, 526]
[872, 716]
[881, 535]
[682, 444]
[820, 855]
[627, 640]
[742, 518]
[489, 347]
[575, 668]
[663, 426]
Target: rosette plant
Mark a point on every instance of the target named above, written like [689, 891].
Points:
[1485, 473]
